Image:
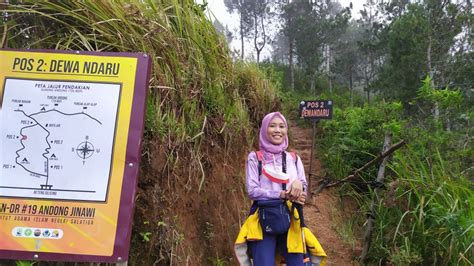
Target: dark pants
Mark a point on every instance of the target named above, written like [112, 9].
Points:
[263, 252]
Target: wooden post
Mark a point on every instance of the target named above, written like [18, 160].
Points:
[309, 194]
[375, 200]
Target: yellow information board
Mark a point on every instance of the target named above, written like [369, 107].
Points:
[71, 125]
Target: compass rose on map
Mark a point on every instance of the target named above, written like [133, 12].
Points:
[85, 150]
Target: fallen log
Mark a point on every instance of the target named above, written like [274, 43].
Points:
[326, 182]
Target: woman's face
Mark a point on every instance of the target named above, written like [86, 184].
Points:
[277, 131]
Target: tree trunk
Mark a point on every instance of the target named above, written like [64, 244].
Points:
[370, 75]
[313, 83]
[375, 200]
[255, 39]
[241, 32]
[431, 73]
[368, 93]
[290, 52]
[328, 66]
[351, 87]
[290, 65]
[330, 85]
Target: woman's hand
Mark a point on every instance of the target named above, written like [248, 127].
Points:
[295, 191]
[301, 199]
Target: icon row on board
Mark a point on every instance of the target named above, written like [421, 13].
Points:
[34, 232]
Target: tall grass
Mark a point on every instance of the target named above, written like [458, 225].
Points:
[430, 220]
[200, 106]
[192, 73]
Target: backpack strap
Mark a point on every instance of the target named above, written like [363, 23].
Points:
[260, 163]
[283, 166]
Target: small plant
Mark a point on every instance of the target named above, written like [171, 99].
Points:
[209, 232]
[405, 255]
[145, 236]
[217, 261]
[162, 223]
[25, 263]
[346, 231]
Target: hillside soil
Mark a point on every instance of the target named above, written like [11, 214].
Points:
[323, 213]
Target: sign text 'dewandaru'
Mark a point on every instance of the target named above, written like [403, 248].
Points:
[320, 109]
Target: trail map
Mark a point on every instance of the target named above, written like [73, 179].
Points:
[57, 139]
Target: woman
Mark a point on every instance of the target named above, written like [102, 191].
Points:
[273, 142]
[266, 171]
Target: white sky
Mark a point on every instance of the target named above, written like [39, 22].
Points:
[219, 10]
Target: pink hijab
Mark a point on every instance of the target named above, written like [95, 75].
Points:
[264, 143]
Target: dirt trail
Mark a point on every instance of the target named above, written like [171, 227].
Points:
[321, 212]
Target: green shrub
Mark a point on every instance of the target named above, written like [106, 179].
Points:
[425, 215]
[355, 136]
